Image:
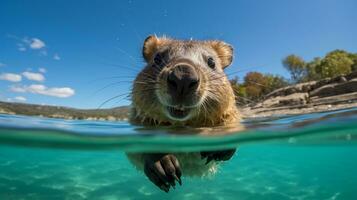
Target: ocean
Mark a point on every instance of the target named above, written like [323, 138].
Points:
[310, 156]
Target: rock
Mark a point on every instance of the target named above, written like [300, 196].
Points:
[343, 79]
[351, 76]
[335, 89]
[298, 88]
[315, 96]
[349, 97]
[323, 90]
[291, 100]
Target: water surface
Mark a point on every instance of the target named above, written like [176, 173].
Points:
[312, 156]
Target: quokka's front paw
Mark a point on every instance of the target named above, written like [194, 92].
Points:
[163, 170]
[217, 155]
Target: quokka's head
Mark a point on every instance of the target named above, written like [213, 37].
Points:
[183, 79]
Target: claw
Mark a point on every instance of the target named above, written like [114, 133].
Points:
[177, 179]
[164, 188]
[173, 184]
[209, 159]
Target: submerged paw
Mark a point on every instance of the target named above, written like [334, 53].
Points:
[163, 170]
[217, 155]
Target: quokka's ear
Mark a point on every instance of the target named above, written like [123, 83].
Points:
[151, 45]
[224, 52]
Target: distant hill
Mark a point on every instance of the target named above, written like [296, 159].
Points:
[117, 113]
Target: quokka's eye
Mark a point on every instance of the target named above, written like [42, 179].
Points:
[158, 60]
[211, 63]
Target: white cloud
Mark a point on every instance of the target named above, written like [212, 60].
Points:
[22, 49]
[2, 64]
[62, 92]
[35, 43]
[29, 43]
[10, 77]
[56, 57]
[20, 98]
[42, 70]
[16, 88]
[33, 76]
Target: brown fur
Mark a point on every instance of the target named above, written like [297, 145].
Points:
[213, 100]
[218, 106]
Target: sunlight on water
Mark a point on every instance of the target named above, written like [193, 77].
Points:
[309, 156]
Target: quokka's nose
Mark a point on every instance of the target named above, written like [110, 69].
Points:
[183, 80]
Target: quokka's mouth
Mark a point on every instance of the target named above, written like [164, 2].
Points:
[178, 113]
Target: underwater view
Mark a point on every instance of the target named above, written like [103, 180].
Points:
[310, 156]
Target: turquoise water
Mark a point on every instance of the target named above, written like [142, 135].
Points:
[311, 156]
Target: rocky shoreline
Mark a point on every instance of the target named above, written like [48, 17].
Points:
[315, 96]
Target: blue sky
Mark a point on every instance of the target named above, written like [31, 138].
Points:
[63, 52]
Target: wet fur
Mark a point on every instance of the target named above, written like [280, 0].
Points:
[218, 107]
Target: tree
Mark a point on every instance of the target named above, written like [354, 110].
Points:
[296, 66]
[235, 86]
[274, 82]
[311, 73]
[239, 91]
[334, 64]
[354, 59]
[255, 84]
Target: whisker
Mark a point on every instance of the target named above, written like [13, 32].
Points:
[120, 77]
[246, 99]
[108, 85]
[130, 56]
[256, 83]
[212, 95]
[229, 74]
[135, 92]
[111, 77]
[110, 99]
[123, 94]
[123, 67]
